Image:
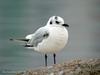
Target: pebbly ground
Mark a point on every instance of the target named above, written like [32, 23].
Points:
[74, 67]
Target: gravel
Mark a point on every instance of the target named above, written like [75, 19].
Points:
[74, 67]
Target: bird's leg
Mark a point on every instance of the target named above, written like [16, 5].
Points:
[45, 59]
[54, 55]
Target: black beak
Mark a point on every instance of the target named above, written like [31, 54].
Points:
[66, 25]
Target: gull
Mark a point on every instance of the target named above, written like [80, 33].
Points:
[50, 38]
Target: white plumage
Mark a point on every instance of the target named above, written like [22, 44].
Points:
[58, 37]
[56, 40]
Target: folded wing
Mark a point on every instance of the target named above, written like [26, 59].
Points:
[38, 37]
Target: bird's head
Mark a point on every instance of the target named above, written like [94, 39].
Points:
[57, 20]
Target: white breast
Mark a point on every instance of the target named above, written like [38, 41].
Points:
[57, 39]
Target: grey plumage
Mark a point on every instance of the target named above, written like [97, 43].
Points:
[38, 37]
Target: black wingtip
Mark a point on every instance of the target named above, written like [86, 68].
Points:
[11, 39]
[28, 46]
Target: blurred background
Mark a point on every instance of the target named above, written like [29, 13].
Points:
[21, 17]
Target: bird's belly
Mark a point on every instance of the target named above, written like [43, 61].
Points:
[54, 43]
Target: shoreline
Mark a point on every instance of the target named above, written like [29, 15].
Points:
[73, 67]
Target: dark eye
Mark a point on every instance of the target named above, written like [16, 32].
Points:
[50, 22]
[57, 22]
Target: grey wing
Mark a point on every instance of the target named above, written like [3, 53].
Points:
[38, 37]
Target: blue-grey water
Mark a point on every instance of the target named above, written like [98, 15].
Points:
[21, 17]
